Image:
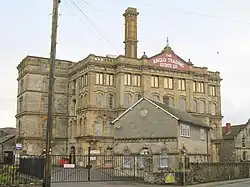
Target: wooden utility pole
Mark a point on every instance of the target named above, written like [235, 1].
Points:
[47, 178]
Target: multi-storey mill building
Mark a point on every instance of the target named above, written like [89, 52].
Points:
[89, 94]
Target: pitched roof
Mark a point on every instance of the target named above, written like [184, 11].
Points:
[235, 130]
[182, 115]
[9, 130]
[178, 114]
[6, 138]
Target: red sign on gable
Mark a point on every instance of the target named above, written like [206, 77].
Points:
[168, 60]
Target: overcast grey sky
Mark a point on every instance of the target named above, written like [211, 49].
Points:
[197, 29]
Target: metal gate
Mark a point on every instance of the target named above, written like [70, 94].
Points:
[83, 168]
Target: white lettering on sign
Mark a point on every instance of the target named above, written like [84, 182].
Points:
[164, 60]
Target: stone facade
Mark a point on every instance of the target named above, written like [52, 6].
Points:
[32, 104]
[94, 91]
[235, 144]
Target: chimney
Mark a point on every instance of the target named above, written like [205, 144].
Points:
[228, 128]
[131, 32]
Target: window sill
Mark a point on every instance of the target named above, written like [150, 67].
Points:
[184, 136]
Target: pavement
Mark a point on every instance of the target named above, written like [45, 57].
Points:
[232, 183]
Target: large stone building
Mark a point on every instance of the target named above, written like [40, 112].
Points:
[94, 91]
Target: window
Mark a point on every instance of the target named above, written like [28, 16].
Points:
[164, 159]
[168, 83]
[154, 81]
[84, 99]
[21, 104]
[198, 87]
[214, 131]
[181, 84]
[168, 100]
[127, 159]
[213, 109]
[74, 107]
[202, 107]
[99, 100]
[109, 127]
[155, 98]
[182, 104]
[73, 88]
[44, 130]
[127, 100]
[144, 151]
[98, 127]
[19, 128]
[136, 80]
[244, 155]
[212, 90]
[45, 104]
[243, 142]
[195, 106]
[110, 101]
[137, 97]
[185, 130]
[127, 79]
[194, 86]
[84, 80]
[202, 134]
[99, 79]
[109, 80]
[83, 126]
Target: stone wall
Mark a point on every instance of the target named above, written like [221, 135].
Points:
[201, 173]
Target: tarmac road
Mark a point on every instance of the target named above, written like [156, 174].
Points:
[236, 183]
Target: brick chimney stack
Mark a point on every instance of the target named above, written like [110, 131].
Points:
[228, 128]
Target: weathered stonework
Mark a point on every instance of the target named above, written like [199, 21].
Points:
[77, 88]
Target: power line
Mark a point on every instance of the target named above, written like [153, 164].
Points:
[199, 14]
[78, 11]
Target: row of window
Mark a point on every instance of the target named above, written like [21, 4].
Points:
[100, 128]
[135, 80]
[108, 101]
[185, 131]
[198, 106]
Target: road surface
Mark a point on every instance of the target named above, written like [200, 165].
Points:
[139, 184]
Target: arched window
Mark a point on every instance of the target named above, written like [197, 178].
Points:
[164, 159]
[202, 107]
[243, 141]
[195, 106]
[144, 151]
[127, 159]
[84, 99]
[98, 127]
[109, 127]
[99, 100]
[127, 100]
[168, 100]
[213, 109]
[182, 104]
[110, 101]
[138, 97]
[155, 98]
